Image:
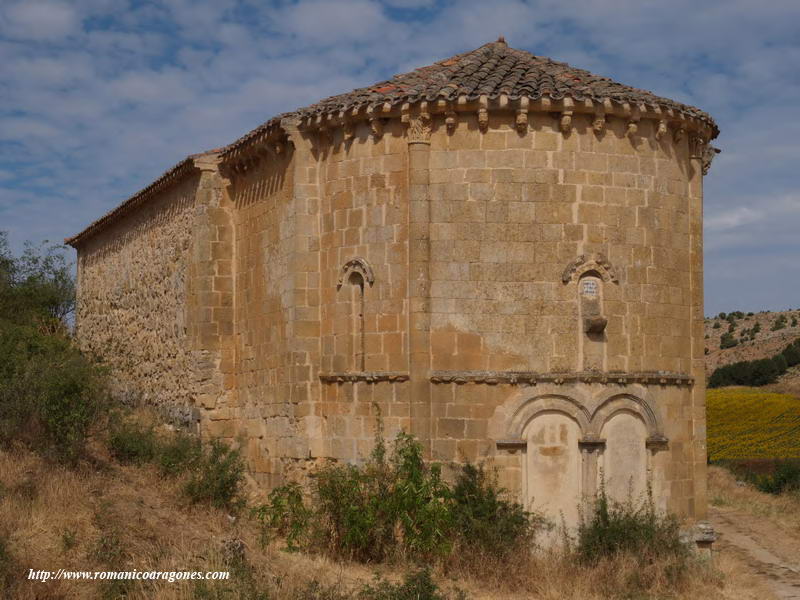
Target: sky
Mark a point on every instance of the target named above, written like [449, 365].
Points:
[99, 97]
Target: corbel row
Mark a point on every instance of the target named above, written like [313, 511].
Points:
[268, 149]
[669, 119]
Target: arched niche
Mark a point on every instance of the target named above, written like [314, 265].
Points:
[625, 461]
[531, 407]
[632, 404]
[553, 468]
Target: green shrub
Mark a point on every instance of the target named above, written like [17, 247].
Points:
[779, 323]
[638, 530]
[716, 325]
[416, 586]
[130, 442]
[399, 507]
[386, 508]
[218, 477]
[487, 522]
[792, 354]
[179, 454]
[727, 341]
[286, 514]
[50, 394]
[785, 478]
[756, 372]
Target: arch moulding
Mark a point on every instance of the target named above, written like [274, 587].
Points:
[586, 263]
[356, 265]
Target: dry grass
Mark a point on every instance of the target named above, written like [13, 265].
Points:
[725, 491]
[105, 516]
[121, 518]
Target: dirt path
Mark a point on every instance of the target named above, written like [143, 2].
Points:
[770, 551]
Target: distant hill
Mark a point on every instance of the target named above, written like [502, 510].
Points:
[754, 335]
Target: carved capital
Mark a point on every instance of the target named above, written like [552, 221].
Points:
[697, 146]
[419, 129]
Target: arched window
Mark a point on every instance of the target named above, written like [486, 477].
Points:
[356, 329]
[356, 276]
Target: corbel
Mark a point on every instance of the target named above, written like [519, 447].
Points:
[633, 120]
[662, 129]
[599, 123]
[376, 126]
[324, 133]
[405, 113]
[424, 112]
[565, 123]
[679, 134]
[347, 126]
[483, 113]
[450, 115]
[522, 114]
[375, 122]
[502, 101]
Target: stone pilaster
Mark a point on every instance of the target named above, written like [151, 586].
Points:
[303, 328]
[698, 148]
[418, 136]
[210, 302]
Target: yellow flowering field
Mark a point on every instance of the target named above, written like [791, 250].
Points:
[750, 423]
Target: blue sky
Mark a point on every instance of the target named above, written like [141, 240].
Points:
[99, 97]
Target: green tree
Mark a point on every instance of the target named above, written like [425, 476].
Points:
[50, 393]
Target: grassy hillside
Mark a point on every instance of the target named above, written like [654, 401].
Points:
[742, 336]
[746, 423]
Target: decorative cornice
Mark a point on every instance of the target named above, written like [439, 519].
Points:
[533, 378]
[364, 376]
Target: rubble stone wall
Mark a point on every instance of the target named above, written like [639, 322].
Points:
[132, 300]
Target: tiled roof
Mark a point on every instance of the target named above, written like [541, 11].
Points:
[492, 70]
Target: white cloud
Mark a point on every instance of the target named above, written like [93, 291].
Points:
[98, 100]
[37, 20]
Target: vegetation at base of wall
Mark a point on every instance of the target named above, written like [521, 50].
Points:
[131, 443]
[50, 393]
[756, 372]
[217, 478]
[750, 423]
[398, 507]
[629, 527]
[214, 472]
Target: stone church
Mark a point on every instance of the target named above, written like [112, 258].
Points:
[499, 253]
